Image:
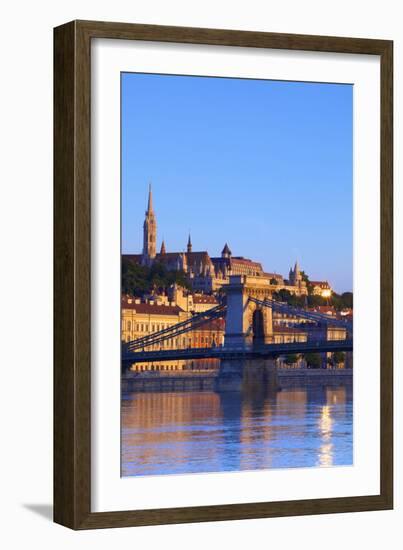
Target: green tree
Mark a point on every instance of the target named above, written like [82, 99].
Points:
[338, 301]
[138, 279]
[284, 295]
[316, 300]
[291, 359]
[347, 299]
[313, 360]
[339, 357]
[134, 278]
[305, 277]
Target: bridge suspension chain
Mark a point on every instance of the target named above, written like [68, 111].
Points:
[177, 325]
[175, 330]
[312, 316]
[179, 331]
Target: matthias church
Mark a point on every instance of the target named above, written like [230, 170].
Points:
[208, 274]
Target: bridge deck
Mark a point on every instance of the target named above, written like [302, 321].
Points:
[264, 351]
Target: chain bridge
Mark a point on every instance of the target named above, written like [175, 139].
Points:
[248, 312]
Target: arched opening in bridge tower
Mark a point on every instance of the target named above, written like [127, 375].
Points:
[258, 327]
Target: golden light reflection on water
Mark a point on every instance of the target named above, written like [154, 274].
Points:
[325, 426]
[185, 432]
[334, 397]
[157, 425]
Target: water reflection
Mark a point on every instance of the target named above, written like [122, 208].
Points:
[192, 432]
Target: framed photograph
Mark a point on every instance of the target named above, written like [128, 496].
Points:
[223, 275]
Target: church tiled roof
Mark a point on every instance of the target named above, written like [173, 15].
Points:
[168, 256]
[132, 257]
[198, 257]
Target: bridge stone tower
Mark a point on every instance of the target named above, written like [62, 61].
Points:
[247, 323]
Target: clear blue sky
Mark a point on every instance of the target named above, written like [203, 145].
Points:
[263, 165]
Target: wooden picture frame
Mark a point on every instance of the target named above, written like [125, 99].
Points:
[72, 272]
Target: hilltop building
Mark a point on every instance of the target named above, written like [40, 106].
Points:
[321, 288]
[208, 274]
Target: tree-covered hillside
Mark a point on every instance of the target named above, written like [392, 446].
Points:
[139, 279]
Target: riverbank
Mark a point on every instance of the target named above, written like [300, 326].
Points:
[169, 382]
[289, 378]
[206, 381]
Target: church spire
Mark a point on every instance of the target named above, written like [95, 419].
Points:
[226, 252]
[189, 247]
[295, 274]
[150, 199]
[163, 250]
[149, 232]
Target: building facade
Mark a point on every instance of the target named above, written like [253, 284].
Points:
[321, 288]
[141, 319]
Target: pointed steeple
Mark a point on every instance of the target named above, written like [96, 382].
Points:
[163, 250]
[189, 247]
[150, 199]
[296, 276]
[226, 252]
[149, 232]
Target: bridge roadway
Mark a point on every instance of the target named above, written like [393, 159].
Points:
[254, 352]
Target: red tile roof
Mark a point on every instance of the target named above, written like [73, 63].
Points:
[322, 284]
[245, 261]
[152, 308]
[273, 276]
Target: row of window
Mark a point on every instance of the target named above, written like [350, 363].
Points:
[245, 271]
[143, 368]
[148, 367]
[212, 340]
[289, 339]
[145, 327]
[141, 327]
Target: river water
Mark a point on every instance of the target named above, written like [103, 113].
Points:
[195, 432]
